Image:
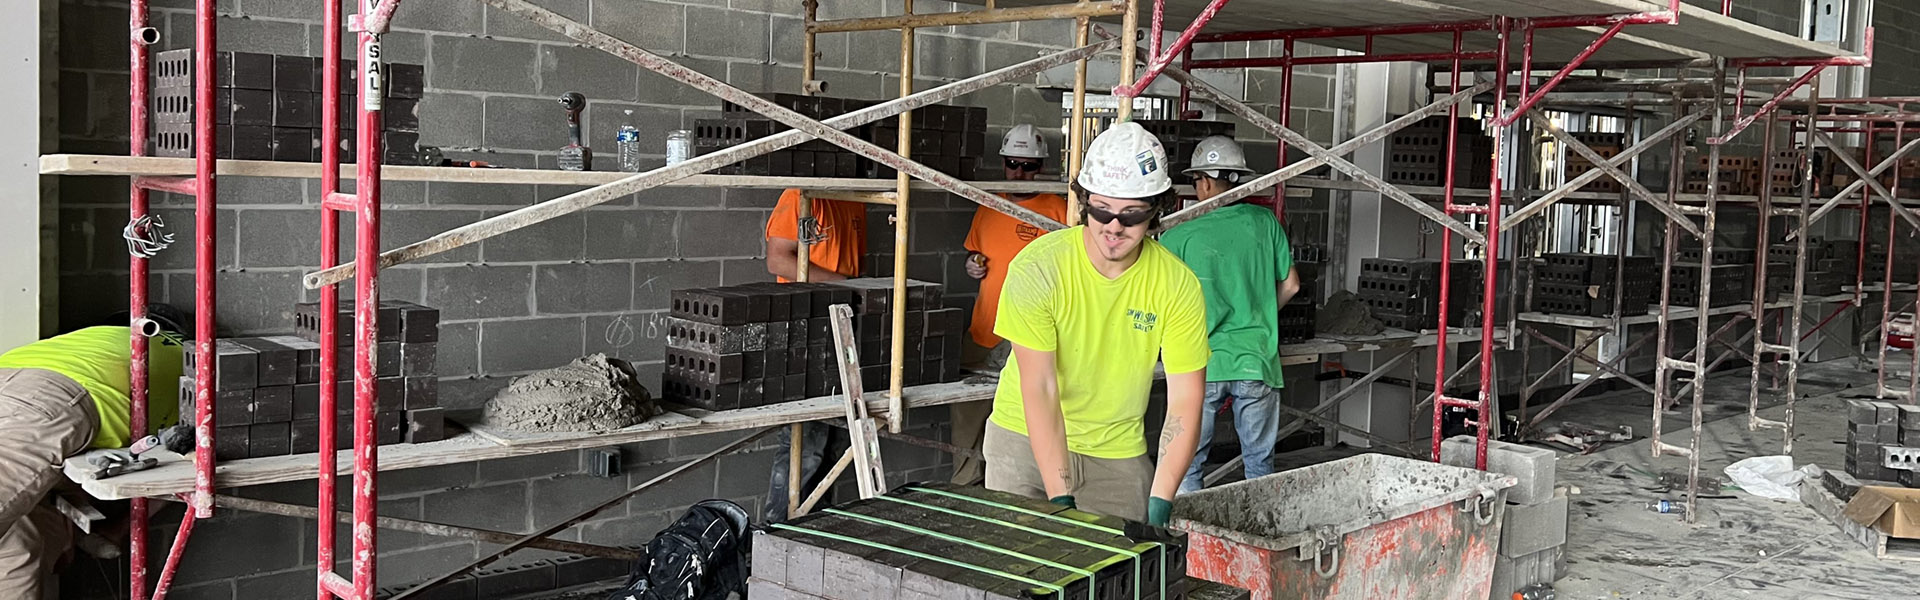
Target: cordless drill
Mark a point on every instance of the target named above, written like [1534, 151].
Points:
[575, 156]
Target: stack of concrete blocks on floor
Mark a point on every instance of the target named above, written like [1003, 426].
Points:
[1533, 536]
[1883, 442]
[765, 343]
[943, 541]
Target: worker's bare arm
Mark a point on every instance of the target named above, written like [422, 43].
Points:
[783, 260]
[1288, 287]
[1046, 427]
[1180, 436]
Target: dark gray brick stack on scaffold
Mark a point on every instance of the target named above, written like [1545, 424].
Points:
[950, 139]
[1732, 277]
[1533, 535]
[405, 362]
[267, 389]
[1181, 136]
[1417, 155]
[267, 107]
[765, 343]
[942, 541]
[1883, 442]
[1584, 284]
[1607, 145]
[1825, 277]
[1405, 292]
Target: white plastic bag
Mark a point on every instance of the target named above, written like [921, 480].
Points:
[1767, 477]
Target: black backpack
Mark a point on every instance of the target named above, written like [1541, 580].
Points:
[702, 556]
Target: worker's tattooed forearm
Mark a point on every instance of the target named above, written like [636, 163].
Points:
[1169, 432]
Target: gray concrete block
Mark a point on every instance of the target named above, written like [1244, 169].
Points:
[557, 499]
[582, 287]
[446, 119]
[1531, 528]
[273, 544]
[449, 193]
[458, 352]
[744, 474]
[658, 89]
[251, 302]
[534, 466]
[284, 238]
[945, 57]
[761, 76]
[502, 24]
[537, 124]
[479, 292]
[806, 569]
[626, 336]
[727, 33]
[450, 16]
[181, 224]
[658, 27]
[481, 65]
[437, 478]
[528, 344]
[848, 572]
[405, 226]
[590, 71]
[1533, 466]
[501, 507]
[630, 530]
[242, 34]
[676, 494]
[1511, 574]
[558, 239]
[736, 271]
[654, 280]
[720, 234]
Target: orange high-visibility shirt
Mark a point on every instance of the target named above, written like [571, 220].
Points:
[1000, 237]
[843, 229]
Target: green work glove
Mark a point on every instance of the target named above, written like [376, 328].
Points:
[1066, 501]
[1159, 511]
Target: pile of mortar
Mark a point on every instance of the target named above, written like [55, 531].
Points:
[1346, 314]
[592, 393]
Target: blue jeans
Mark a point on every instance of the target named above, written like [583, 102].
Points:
[1254, 417]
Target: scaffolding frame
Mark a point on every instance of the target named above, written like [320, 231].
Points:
[364, 203]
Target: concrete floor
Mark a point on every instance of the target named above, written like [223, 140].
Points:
[1742, 546]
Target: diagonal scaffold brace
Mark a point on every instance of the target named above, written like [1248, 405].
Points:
[1879, 189]
[1208, 92]
[581, 200]
[1854, 188]
[1601, 164]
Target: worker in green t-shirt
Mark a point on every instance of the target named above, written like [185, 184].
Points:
[1089, 311]
[59, 397]
[1245, 266]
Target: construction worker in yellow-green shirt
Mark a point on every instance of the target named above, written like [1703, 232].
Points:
[59, 397]
[1090, 310]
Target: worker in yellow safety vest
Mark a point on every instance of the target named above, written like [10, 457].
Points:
[1089, 311]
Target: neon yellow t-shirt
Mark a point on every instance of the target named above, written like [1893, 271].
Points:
[98, 359]
[1106, 335]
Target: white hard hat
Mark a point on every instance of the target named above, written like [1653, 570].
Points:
[1125, 162]
[1218, 153]
[1023, 141]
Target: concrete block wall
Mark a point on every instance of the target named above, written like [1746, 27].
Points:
[532, 299]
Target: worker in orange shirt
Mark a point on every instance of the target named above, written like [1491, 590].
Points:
[837, 237]
[994, 240]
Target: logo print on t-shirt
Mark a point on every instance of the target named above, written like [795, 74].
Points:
[1027, 232]
[1143, 320]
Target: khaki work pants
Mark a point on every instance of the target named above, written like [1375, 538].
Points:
[44, 418]
[1113, 487]
[969, 419]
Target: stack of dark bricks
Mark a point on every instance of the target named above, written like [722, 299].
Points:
[1181, 137]
[1307, 261]
[1732, 276]
[1607, 145]
[1533, 533]
[1786, 176]
[879, 548]
[1417, 155]
[1584, 284]
[1405, 292]
[1883, 442]
[1738, 175]
[756, 344]
[950, 139]
[1296, 320]
[267, 107]
[267, 389]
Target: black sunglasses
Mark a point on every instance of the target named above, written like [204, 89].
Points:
[1127, 219]
[1021, 165]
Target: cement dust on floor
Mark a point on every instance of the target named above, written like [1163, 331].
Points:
[1742, 546]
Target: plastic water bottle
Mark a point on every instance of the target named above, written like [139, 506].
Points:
[1665, 507]
[628, 143]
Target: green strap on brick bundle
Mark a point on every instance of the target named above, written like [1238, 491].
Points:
[1120, 553]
